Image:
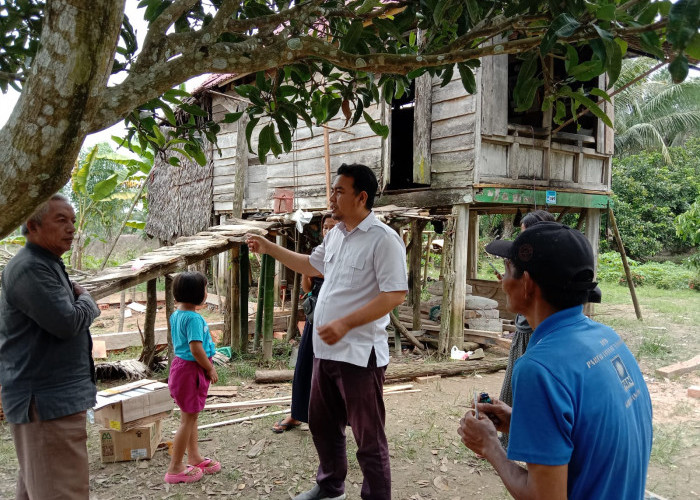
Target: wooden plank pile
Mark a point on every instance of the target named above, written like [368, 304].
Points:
[390, 390]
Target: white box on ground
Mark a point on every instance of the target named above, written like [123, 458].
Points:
[120, 405]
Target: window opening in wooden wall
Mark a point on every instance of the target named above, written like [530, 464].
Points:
[402, 123]
[540, 123]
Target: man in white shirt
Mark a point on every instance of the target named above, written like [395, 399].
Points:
[364, 264]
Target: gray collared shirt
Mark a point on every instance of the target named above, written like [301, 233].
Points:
[45, 343]
[357, 266]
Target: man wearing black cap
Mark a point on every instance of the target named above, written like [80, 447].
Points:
[581, 416]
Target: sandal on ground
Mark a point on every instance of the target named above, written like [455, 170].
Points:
[279, 427]
[209, 466]
[190, 475]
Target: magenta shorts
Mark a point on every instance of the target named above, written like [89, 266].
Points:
[188, 385]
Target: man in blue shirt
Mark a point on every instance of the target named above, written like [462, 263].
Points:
[581, 416]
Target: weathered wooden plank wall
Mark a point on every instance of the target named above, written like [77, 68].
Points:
[452, 137]
[301, 170]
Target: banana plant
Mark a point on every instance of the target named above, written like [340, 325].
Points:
[90, 198]
[138, 170]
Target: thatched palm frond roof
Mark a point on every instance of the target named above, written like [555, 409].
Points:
[179, 198]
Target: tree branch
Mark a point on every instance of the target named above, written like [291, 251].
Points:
[15, 77]
[156, 34]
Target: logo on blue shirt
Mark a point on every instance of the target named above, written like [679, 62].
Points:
[622, 373]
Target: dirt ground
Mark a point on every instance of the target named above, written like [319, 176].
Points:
[427, 458]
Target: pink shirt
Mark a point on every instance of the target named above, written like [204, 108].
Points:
[357, 266]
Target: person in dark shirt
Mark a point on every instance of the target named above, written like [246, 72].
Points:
[46, 368]
[523, 331]
[301, 385]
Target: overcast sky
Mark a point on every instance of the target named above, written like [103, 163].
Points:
[8, 101]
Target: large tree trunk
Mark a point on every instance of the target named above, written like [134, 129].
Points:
[43, 136]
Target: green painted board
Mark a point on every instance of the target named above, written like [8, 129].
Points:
[506, 196]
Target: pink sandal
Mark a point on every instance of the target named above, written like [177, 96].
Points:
[209, 466]
[190, 475]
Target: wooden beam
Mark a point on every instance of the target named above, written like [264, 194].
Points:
[327, 162]
[625, 264]
[169, 309]
[239, 182]
[483, 337]
[415, 268]
[268, 306]
[448, 279]
[677, 369]
[592, 232]
[422, 125]
[402, 329]
[455, 286]
[473, 245]
[122, 340]
[149, 339]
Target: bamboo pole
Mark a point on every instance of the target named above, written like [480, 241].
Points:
[427, 258]
[226, 334]
[292, 329]
[244, 288]
[242, 419]
[259, 309]
[625, 265]
[268, 306]
[235, 284]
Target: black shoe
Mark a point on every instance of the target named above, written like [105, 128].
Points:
[315, 493]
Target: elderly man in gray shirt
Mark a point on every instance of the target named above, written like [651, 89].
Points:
[46, 368]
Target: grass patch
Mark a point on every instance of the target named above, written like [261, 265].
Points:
[8, 457]
[668, 443]
[654, 345]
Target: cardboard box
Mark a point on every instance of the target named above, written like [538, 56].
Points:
[134, 402]
[137, 444]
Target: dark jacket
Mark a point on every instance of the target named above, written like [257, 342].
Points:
[45, 343]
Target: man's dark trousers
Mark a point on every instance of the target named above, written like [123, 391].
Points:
[342, 394]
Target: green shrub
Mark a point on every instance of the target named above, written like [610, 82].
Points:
[664, 275]
[649, 197]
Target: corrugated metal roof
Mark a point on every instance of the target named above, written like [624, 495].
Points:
[213, 81]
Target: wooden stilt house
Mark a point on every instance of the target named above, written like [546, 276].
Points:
[447, 151]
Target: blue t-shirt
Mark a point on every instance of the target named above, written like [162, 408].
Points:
[186, 327]
[579, 398]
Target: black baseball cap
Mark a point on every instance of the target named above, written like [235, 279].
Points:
[555, 255]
